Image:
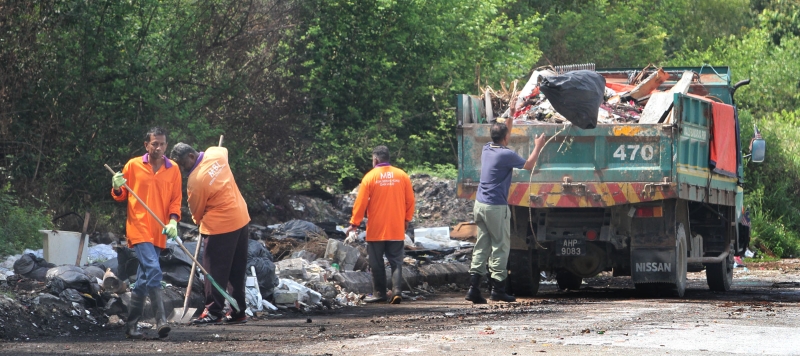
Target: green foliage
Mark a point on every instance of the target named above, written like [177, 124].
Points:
[773, 69]
[383, 73]
[631, 33]
[782, 19]
[444, 171]
[773, 186]
[19, 225]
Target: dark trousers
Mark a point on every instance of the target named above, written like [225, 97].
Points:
[225, 257]
[394, 251]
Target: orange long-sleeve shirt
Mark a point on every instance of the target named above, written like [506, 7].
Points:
[161, 191]
[214, 198]
[387, 197]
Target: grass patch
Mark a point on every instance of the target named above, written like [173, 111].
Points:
[761, 258]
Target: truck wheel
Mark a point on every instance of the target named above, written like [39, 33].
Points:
[567, 280]
[680, 259]
[720, 275]
[523, 272]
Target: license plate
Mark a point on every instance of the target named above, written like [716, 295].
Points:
[571, 247]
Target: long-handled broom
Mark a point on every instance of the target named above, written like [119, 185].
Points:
[207, 275]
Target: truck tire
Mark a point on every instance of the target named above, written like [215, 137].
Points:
[567, 280]
[523, 273]
[720, 275]
[681, 257]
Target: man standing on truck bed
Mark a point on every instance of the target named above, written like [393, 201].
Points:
[491, 212]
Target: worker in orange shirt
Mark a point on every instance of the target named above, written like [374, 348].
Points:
[386, 195]
[219, 209]
[156, 180]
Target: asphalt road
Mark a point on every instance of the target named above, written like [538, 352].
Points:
[759, 316]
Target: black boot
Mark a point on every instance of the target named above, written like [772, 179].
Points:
[474, 293]
[157, 301]
[499, 292]
[397, 282]
[135, 310]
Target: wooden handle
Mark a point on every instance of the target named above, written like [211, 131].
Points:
[83, 238]
[220, 141]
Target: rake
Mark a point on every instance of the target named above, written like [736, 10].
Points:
[207, 275]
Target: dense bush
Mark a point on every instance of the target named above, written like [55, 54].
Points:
[19, 225]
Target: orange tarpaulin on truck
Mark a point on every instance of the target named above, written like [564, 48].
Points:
[723, 139]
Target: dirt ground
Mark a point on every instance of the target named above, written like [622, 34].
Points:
[605, 317]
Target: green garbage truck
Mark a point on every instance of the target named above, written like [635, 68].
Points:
[652, 201]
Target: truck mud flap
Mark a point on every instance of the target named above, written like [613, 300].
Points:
[653, 265]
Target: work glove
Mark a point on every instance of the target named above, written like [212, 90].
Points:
[351, 237]
[118, 180]
[171, 229]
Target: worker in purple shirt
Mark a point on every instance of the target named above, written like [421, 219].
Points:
[492, 214]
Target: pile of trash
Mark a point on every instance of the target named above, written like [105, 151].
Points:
[584, 98]
[297, 265]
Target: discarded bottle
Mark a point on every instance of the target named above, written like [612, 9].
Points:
[335, 266]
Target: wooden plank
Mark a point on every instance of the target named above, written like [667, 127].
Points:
[648, 85]
[657, 108]
[682, 86]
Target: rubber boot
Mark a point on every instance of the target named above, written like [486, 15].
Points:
[378, 286]
[474, 293]
[135, 310]
[397, 282]
[157, 301]
[499, 292]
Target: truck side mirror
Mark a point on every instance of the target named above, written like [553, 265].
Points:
[759, 149]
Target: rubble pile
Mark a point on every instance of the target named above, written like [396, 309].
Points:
[437, 203]
[298, 265]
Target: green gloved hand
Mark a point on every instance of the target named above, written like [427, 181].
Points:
[118, 180]
[171, 230]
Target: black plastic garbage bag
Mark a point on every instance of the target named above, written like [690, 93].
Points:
[30, 266]
[175, 265]
[94, 272]
[64, 277]
[112, 264]
[127, 263]
[300, 229]
[259, 257]
[576, 95]
[71, 295]
[174, 255]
